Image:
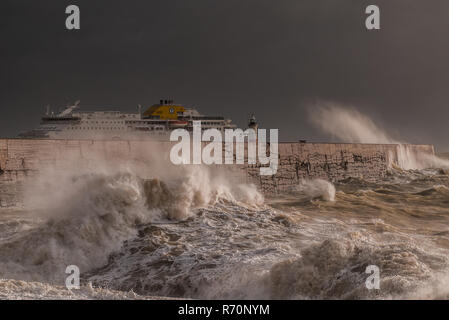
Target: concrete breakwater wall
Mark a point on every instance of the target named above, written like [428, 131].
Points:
[22, 158]
[333, 162]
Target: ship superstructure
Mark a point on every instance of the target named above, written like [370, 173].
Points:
[154, 123]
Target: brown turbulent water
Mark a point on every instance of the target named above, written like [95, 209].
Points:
[200, 236]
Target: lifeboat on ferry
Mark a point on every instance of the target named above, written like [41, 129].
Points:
[178, 123]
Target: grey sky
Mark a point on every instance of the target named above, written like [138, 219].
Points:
[276, 59]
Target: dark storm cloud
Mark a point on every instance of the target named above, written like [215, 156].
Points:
[234, 58]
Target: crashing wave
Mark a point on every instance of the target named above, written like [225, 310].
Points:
[349, 125]
[86, 217]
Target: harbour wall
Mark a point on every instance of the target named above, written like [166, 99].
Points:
[23, 158]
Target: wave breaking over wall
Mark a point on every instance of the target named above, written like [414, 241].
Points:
[349, 125]
[22, 159]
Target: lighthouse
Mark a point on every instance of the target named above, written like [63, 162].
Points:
[252, 123]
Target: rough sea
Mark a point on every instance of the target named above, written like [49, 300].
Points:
[200, 236]
[155, 231]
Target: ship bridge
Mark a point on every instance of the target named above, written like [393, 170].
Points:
[165, 110]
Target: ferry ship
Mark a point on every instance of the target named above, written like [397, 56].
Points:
[154, 123]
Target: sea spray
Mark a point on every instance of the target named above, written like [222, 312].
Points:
[315, 189]
[82, 217]
[349, 125]
[226, 248]
[155, 229]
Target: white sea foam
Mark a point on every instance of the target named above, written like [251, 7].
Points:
[316, 188]
[84, 216]
[198, 232]
[23, 290]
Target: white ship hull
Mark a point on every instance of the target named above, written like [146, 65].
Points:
[155, 124]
